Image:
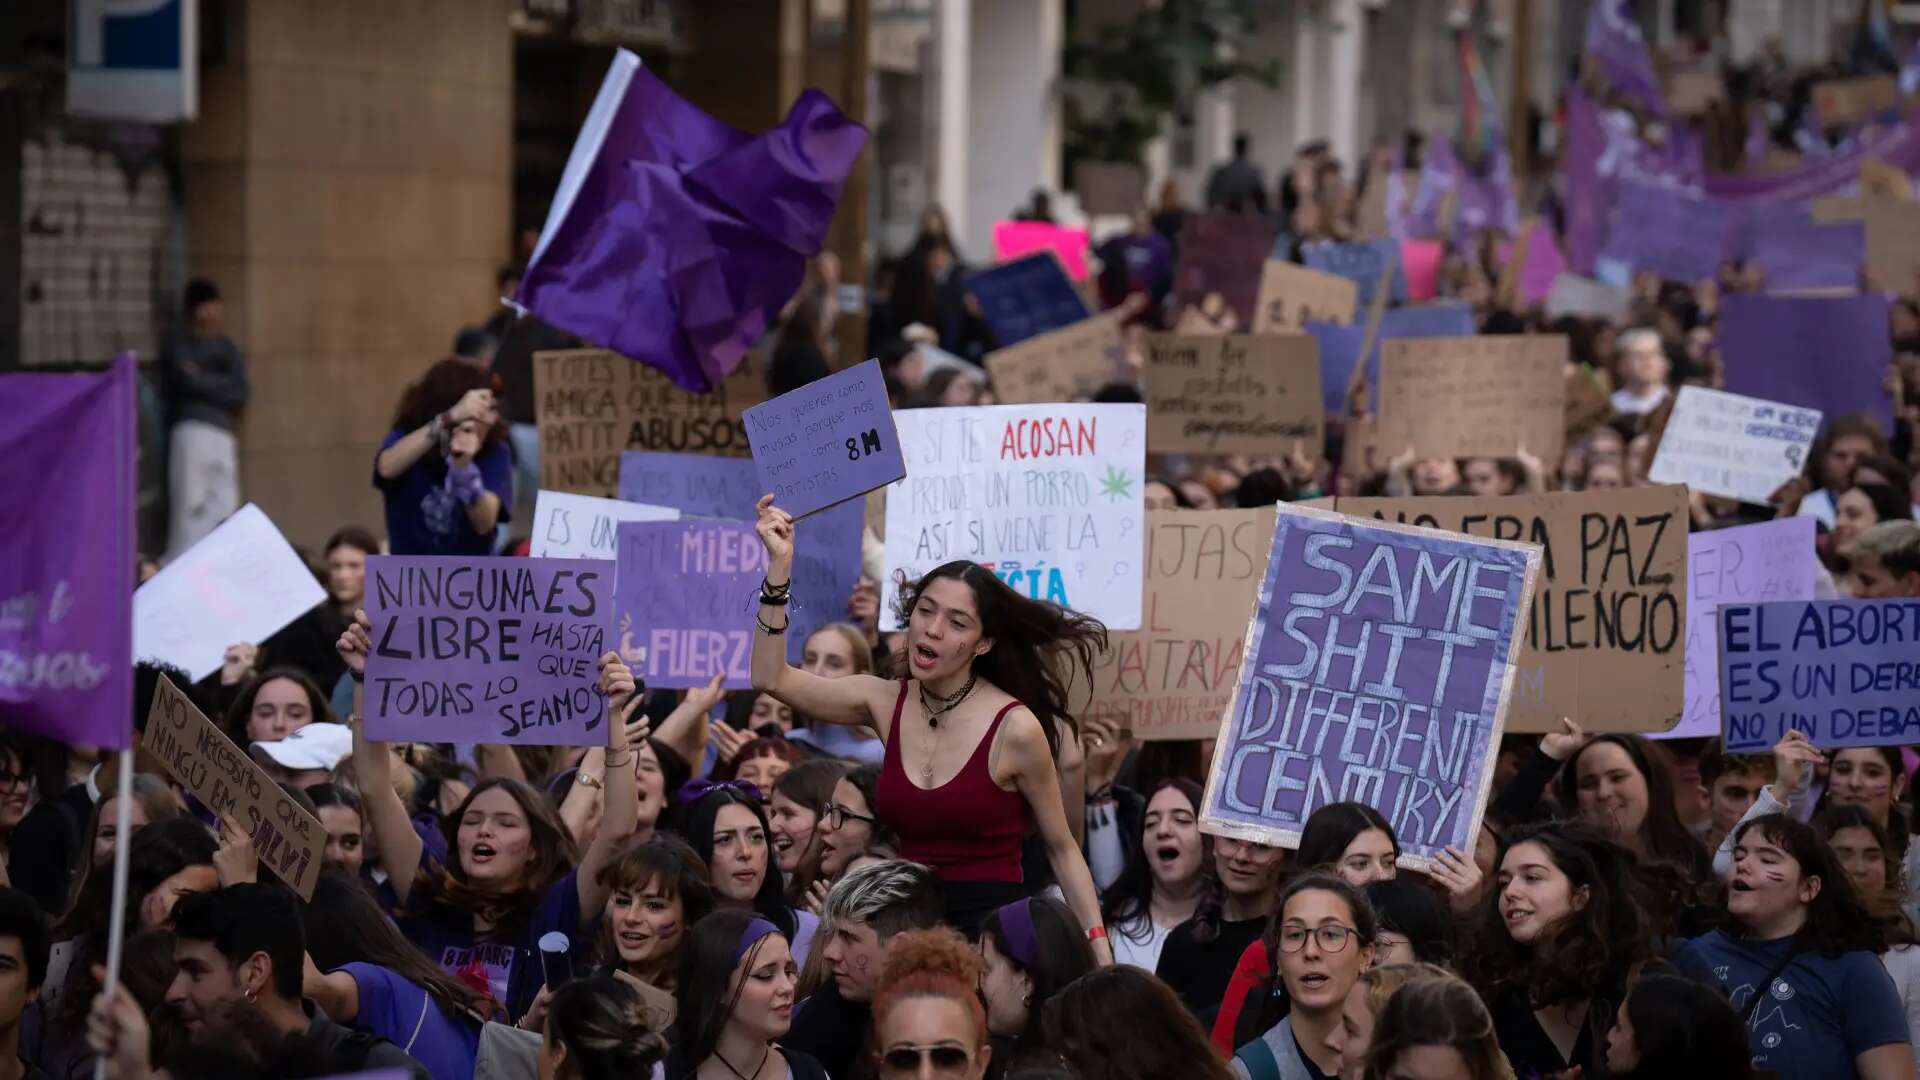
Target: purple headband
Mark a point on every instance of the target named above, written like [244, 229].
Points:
[756, 929]
[694, 790]
[1016, 925]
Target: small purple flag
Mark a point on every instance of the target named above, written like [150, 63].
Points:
[66, 555]
[675, 239]
[1615, 41]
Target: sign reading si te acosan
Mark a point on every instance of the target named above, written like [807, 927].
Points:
[1047, 497]
[288, 840]
[1846, 672]
[487, 650]
[1605, 635]
[1377, 669]
[826, 442]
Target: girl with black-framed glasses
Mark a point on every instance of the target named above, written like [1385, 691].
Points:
[1323, 934]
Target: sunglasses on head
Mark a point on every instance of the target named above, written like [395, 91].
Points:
[944, 1058]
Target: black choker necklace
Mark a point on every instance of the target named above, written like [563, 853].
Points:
[947, 704]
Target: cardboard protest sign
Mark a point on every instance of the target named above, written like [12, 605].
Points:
[1340, 346]
[567, 526]
[1109, 187]
[1677, 235]
[1068, 364]
[1891, 225]
[1748, 564]
[1826, 353]
[1222, 254]
[1173, 677]
[592, 404]
[826, 442]
[1378, 667]
[1879, 179]
[826, 546]
[241, 582]
[1233, 394]
[1014, 239]
[199, 756]
[1362, 264]
[487, 650]
[1604, 637]
[1846, 102]
[1846, 672]
[1474, 396]
[1025, 297]
[1571, 294]
[686, 599]
[1794, 251]
[1727, 444]
[1291, 296]
[1048, 497]
[1690, 93]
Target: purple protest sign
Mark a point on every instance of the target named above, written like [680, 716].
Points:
[826, 442]
[1340, 345]
[1749, 564]
[1378, 668]
[1826, 353]
[487, 650]
[686, 600]
[1843, 671]
[1678, 235]
[66, 555]
[1363, 264]
[826, 546]
[690, 483]
[1794, 252]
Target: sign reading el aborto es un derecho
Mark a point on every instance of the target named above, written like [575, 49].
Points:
[1378, 668]
[487, 650]
[288, 840]
[1846, 672]
[1605, 638]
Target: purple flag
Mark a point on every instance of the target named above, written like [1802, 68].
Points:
[1826, 353]
[1614, 40]
[1794, 252]
[1678, 235]
[66, 555]
[1604, 148]
[675, 239]
[1896, 144]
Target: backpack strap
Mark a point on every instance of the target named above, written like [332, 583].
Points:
[1257, 1058]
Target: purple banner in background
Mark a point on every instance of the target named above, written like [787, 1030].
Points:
[1826, 353]
[1794, 252]
[1896, 144]
[479, 650]
[1363, 264]
[1377, 669]
[686, 600]
[1603, 149]
[66, 555]
[1681, 237]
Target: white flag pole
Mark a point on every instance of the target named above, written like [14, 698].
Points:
[116, 923]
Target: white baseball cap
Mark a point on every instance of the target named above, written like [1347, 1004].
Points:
[316, 746]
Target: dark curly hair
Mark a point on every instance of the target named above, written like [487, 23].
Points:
[1129, 900]
[1663, 835]
[1586, 954]
[1036, 644]
[1837, 919]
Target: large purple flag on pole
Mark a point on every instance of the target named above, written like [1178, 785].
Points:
[1615, 42]
[675, 239]
[66, 555]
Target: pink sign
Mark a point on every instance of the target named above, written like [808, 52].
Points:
[1012, 239]
[1421, 258]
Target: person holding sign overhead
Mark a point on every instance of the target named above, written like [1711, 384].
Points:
[511, 876]
[968, 733]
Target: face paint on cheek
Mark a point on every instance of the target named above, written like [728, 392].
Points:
[860, 964]
[1773, 876]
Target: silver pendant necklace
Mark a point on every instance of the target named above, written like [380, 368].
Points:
[947, 705]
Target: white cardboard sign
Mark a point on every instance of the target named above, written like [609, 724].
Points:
[241, 582]
[1726, 444]
[569, 526]
[1048, 497]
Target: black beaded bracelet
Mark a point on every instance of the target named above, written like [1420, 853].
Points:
[775, 601]
[770, 631]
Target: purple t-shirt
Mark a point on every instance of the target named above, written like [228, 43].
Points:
[398, 1010]
[507, 968]
[424, 518]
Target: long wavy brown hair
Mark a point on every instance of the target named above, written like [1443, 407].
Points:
[551, 854]
[1036, 644]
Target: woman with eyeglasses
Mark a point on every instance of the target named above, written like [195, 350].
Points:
[927, 1016]
[727, 829]
[1323, 934]
[795, 811]
[848, 823]
[973, 733]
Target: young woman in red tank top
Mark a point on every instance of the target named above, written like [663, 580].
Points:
[968, 734]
